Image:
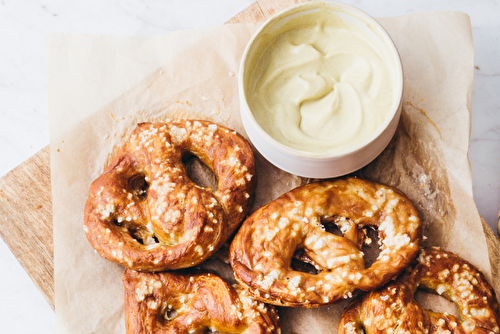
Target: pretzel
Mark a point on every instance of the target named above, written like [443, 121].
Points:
[173, 303]
[263, 248]
[393, 309]
[144, 212]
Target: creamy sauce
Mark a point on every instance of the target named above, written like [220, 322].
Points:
[318, 84]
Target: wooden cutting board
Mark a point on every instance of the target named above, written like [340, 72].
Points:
[26, 199]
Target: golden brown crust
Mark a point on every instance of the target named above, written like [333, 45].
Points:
[262, 250]
[393, 309]
[173, 303]
[144, 212]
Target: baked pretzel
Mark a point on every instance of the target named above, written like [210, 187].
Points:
[393, 309]
[144, 212]
[262, 250]
[172, 303]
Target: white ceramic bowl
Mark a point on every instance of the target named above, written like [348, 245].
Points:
[333, 164]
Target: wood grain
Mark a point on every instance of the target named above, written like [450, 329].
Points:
[26, 219]
[26, 199]
[493, 244]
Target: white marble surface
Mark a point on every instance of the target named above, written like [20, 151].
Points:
[24, 127]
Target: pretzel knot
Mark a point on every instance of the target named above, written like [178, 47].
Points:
[174, 303]
[144, 212]
[393, 309]
[261, 252]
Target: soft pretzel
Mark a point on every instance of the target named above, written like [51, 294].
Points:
[393, 308]
[173, 303]
[144, 212]
[262, 250]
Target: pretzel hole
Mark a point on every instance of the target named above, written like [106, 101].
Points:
[436, 303]
[142, 236]
[301, 263]
[198, 172]
[139, 186]
[135, 233]
[170, 314]
[209, 331]
[371, 247]
[330, 226]
[343, 227]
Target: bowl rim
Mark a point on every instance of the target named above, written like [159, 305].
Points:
[358, 14]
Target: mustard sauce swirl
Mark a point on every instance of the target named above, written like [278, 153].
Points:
[320, 84]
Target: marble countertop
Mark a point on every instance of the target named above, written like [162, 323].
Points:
[24, 126]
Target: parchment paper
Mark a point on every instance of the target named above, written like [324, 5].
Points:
[101, 86]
